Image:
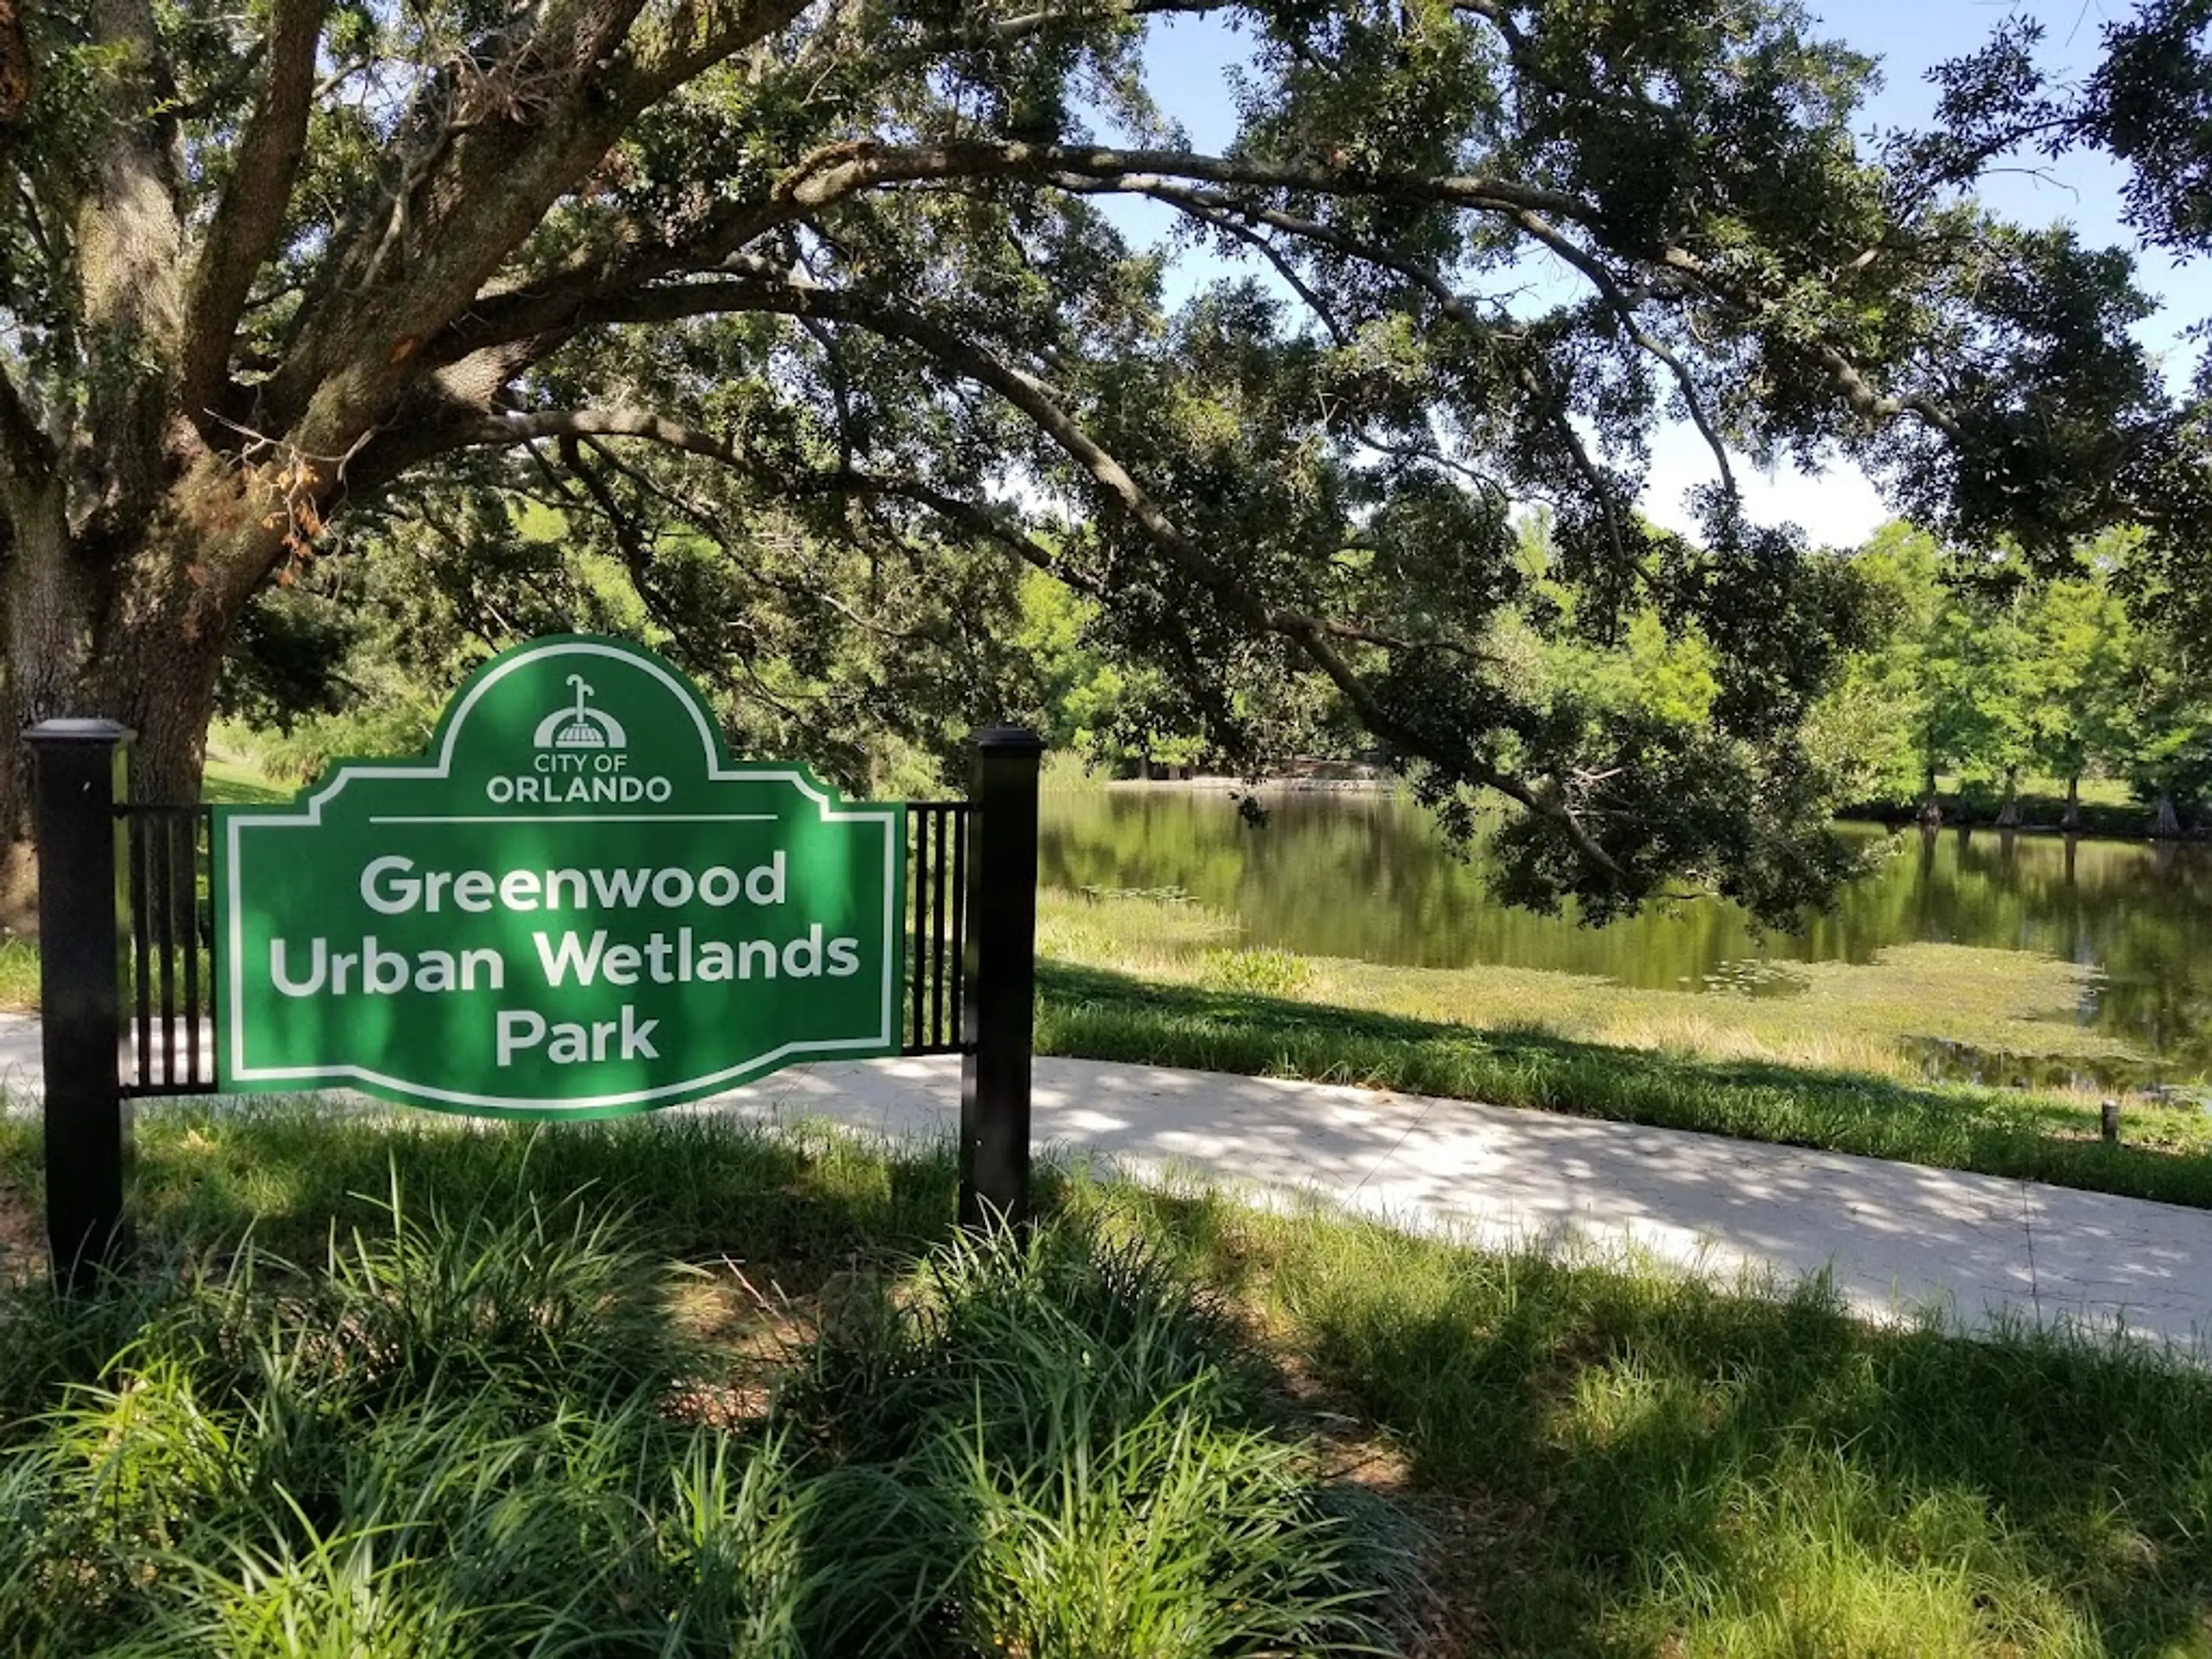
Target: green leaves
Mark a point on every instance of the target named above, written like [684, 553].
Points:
[810, 327]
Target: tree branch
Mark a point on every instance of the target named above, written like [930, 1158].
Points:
[1593, 475]
[1593, 269]
[27, 453]
[1026, 394]
[653, 427]
[561, 109]
[714, 525]
[249, 217]
[836, 171]
[1275, 256]
[526, 427]
[1204, 203]
[972, 516]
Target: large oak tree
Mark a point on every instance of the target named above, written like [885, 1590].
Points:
[268, 263]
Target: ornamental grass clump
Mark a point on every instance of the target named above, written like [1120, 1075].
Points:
[465, 1433]
[1091, 1425]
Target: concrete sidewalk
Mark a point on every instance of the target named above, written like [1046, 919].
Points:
[1897, 1238]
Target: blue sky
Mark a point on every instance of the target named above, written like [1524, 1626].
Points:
[1188, 59]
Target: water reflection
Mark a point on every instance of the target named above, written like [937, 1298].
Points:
[1366, 876]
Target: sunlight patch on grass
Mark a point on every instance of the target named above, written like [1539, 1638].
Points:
[228, 782]
[1631, 1462]
[19, 973]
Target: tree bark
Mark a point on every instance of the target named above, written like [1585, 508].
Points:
[2070, 819]
[2165, 821]
[2008, 814]
[89, 636]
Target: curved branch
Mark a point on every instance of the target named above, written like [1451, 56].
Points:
[1204, 203]
[1230, 225]
[589, 424]
[520, 428]
[569, 300]
[1599, 278]
[1310, 634]
[836, 171]
[249, 217]
[974, 517]
[966, 361]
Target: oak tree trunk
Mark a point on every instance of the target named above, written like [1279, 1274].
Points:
[2071, 818]
[129, 639]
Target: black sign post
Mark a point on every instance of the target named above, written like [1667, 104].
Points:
[999, 1012]
[79, 782]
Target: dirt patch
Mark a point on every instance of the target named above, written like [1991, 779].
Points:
[749, 1319]
[1465, 1542]
[22, 1234]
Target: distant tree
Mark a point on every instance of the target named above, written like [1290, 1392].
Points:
[1941, 668]
[1978, 673]
[1097, 706]
[2079, 677]
[2165, 731]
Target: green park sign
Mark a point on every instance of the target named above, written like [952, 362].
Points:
[574, 904]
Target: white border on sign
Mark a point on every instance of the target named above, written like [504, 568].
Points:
[234, 920]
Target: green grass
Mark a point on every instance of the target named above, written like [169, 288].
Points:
[1625, 1463]
[228, 782]
[2107, 806]
[488, 1414]
[744, 1396]
[1099, 1015]
[19, 973]
[2095, 792]
[1858, 1015]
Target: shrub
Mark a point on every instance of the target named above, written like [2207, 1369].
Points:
[1269, 971]
[460, 1436]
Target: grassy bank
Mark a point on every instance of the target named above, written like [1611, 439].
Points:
[233, 780]
[1822, 1069]
[715, 1403]
[2107, 806]
[1101, 1015]
[1865, 1017]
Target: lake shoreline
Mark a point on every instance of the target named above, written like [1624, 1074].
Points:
[1895, 819]
[1353, 876]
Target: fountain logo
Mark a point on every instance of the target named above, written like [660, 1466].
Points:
[581, 727]
[582, 757]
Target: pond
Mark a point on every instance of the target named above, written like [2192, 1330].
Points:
[1365, 875]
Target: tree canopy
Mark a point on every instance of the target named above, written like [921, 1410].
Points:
[818, 321]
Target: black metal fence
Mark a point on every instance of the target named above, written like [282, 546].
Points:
[168, 978]
[937, 922]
